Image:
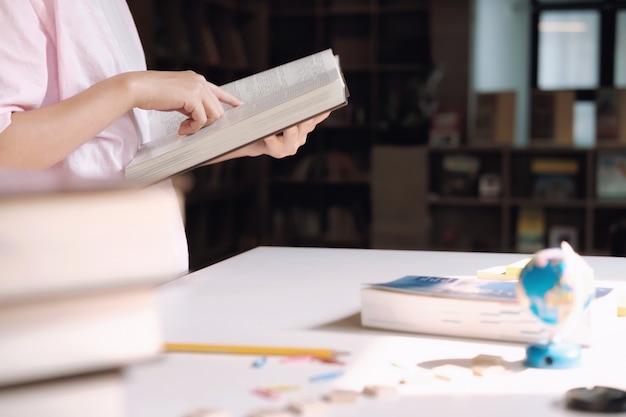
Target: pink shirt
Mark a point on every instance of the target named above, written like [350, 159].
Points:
[54, 49]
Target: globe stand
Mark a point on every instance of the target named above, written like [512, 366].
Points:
[556, 285]
[553, 355]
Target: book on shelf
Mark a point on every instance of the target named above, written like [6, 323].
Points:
[530, 233]
[554, 187]
[238, 48]
[68, 335]
[472, 307]
[172, 40]
[459, 174]
[610, 116]
[446, 126]
[494, 123]
[274, 100]
[100, 394]
[552, 117]
[65, 235]
[201, 36]
[611, 175]
[554, 166]
[554, 178]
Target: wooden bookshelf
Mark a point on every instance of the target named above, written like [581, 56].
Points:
[334, 192]
[323, 195]
[472, 222]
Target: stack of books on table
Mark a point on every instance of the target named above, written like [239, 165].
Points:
[79, 265]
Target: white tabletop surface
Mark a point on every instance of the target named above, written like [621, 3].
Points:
[310, 297]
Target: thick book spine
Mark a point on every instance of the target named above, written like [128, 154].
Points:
[96, 395]
[68, 336]
[55, 243]
[274, 100]
[481, 319]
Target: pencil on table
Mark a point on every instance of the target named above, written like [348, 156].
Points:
[253, 350]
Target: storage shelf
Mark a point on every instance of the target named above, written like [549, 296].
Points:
[464, 201]
[590, 217]
[562, 203]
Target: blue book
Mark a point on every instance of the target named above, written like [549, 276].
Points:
[466, 288]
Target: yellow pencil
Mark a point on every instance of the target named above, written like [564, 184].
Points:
[252, 350]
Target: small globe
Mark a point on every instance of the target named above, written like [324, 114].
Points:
[557, 286]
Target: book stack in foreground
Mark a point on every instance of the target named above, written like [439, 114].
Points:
[79, 265]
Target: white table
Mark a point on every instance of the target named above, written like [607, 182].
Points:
[310, 297]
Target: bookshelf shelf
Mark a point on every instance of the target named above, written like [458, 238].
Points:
[383, 46]
[464, 201]
[492, 224]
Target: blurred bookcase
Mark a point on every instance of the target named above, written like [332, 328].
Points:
[323, 196]
[557, 190]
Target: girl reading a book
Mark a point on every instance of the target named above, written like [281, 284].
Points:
[75, 93]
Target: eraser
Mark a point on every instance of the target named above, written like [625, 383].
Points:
[208, 412]
[270, 412]
[342, 396]
[379, 391]
[308, 407]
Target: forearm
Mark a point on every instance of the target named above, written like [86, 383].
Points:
[39, 138]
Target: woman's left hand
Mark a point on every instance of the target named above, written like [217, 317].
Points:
[286, 143]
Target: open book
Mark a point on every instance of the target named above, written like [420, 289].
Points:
[274, 100]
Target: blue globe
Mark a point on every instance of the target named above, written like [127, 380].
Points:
[557, 286]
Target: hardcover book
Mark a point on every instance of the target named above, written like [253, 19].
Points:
[469, 307]
[610, 115]
[495, 118]
[611, 175]
[69, 335]
[552, 117]
[274, 100]
[101, 394]
[64, 234]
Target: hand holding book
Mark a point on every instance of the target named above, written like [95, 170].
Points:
[274, 101]
[197, 101]
[285, 143]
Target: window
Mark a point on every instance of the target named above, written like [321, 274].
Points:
[620, 49]
[578, 45]
[568, 50]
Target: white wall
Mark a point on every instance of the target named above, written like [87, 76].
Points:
[500, 58]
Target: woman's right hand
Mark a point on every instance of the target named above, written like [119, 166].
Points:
[184, 91]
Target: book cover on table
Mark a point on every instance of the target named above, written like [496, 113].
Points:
[466, 306]
[274, 99]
